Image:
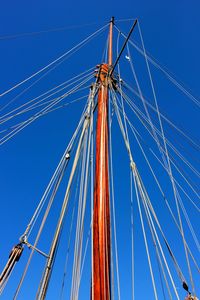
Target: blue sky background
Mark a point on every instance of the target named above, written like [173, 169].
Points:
[171, 34]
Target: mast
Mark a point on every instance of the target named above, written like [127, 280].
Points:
[101, 213]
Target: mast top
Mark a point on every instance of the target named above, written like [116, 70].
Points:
[112, 20]
[110, 42]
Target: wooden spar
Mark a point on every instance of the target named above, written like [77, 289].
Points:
[101, 215]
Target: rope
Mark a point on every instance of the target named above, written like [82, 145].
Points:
[132, 236]
[56, 60]
[163, 70]
[144, 235]
[152, 227]
[137, 112]
[37, 115]
[167, 157]
[35, 33]
[146, 245]
[66, 84]
[38, 209]
[137, 196]
[182, 278]
[69, 242]
[134, 130]
[180, 131]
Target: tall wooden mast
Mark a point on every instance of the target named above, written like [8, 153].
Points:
[101, 214]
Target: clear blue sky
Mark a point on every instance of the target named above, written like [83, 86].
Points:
[171, 34]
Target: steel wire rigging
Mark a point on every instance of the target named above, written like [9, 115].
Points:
[90, 195]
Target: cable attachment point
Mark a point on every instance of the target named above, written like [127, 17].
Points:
[67, 156]
[133, 166]
[189, 296]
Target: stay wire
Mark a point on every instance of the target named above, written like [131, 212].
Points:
[35, 33]
[145, 197]
[190, 226]
[37, 115]
[134, 130]
[66, 84]
[144, 236]
[172, 214]
[140, 213]
[163, 70]
[145, 107]
[158, 258]
[149, 148]
[137, 112]
[69, 239]
[180, 131]
[56, 60]
[49, 111]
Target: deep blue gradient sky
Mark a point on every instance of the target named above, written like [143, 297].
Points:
[171, 34]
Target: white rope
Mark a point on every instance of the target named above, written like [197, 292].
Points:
[162, 69]
[174, 164]
[56, 60]
[55, 175]
[132, 237]
[180, 131]
[173, 184]
[58, 89]
[137, 196]
[47, 112]
[146, 245]
[78, 246]
[160, 264]
[37, 115]
[189, 224]
[42, 223]
[137, 112]
[154, 230]
[145, 107]
[144, 235]
[52, 253]
[186, 243]
[77, 270]
[168, 162]
[69, 241]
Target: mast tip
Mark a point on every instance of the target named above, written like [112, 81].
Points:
[112, 20]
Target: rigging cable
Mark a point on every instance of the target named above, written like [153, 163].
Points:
[56, 60]
[133, 168]
[182, 278]
[152, 227]
[132, 128]
[185, 214]
[69, 240]
[136, 133]
[62, 86]
[37, 115]
[134, 108]
[26, 34]
[135, 177]
[166, 73]
[180, 131]
[141, 218]
[47, 272]
[38, 209]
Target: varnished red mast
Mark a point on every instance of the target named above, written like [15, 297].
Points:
[101, 277]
